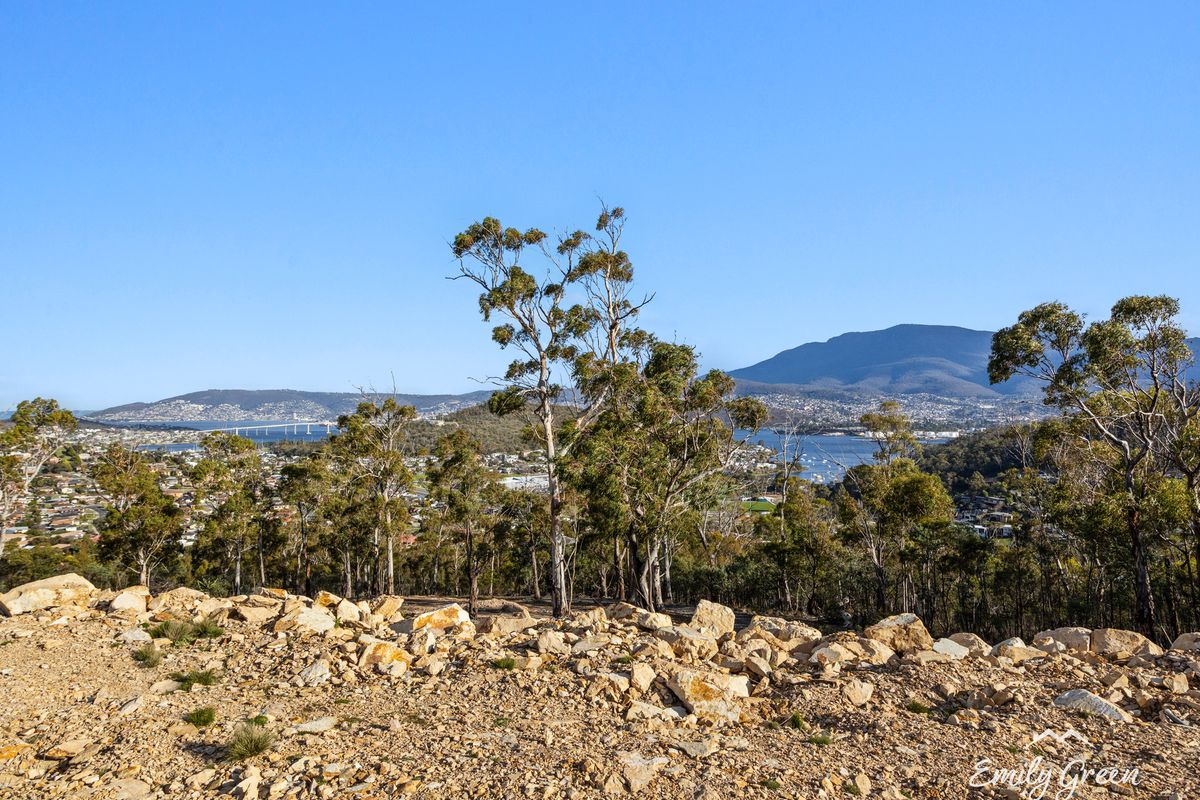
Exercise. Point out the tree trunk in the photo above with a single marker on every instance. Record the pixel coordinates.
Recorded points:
(472, 573)
(237, 568)
(144, 572)
(262, 557)
(391, 546)
(643, 595)
(535, 579)
(560, 601)
(880, 586)
(1144, 592)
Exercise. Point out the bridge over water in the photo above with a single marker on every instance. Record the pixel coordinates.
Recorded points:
(262, 430)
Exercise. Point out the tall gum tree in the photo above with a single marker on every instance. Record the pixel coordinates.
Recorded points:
(658, 450)
(37, 430)
(370, 447)
(1124, 380)
(573, 319)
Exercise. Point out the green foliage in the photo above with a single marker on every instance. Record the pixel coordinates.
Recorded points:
(917, 707)
(248, 740)
(820, 739)
(202, 677)
(207, 628)
(148, 656)
(201, 717)
(796, 722)
(179, 632)
(507, 662)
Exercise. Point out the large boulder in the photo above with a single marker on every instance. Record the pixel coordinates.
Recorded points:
(501, 624)
(976, 646)
(710, 696)
(305, 620)
(1114, 641)
(376, 651)
(452, 617)
(1088, 703)
(388, 607)
(131, 598)
(713, 617)
(61, 590)
(652, 620)
(904, 633)
(785, 630)
(181, 601)
(688, 643)
(1187, 642)
(1078, 640)
(949, 647)
(1016, 650)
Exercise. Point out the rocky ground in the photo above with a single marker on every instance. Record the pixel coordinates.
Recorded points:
(389, 698)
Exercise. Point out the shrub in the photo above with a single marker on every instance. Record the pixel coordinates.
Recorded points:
(208, 629)
(796, 722)
(180, 633)
(916, 707)
(202, 677)
(248, 740)
(148, 656)
(201, 717)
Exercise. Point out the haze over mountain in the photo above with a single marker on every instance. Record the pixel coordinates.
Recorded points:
(905, 359)
(237, 405)
(941, 360)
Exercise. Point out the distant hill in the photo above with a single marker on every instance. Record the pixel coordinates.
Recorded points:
(906, 359)
(243, 405)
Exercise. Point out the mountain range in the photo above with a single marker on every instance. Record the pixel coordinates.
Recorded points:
(260, 405)
(941, 360)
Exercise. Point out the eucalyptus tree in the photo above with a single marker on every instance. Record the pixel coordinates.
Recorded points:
(880, 505)
(228, 478)
(37, 430)
(142, 527)
(1124, 380)
(469, 494)
(370, 448)
(574, 318)
(659, 448)
(306, 485)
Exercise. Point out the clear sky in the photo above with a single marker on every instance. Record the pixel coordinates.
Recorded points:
(260, 195)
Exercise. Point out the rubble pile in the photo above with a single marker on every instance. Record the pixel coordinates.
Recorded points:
(132, 695)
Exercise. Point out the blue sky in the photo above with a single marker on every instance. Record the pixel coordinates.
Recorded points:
(260, 195)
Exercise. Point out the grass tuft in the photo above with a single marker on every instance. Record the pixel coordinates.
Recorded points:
(248, 740)
(820, 739)
(796, 722)
(179, 632)
(508, 662)
(200, 677)
(917, 707)
(208, 629)
(201, 717)
(148, 656)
